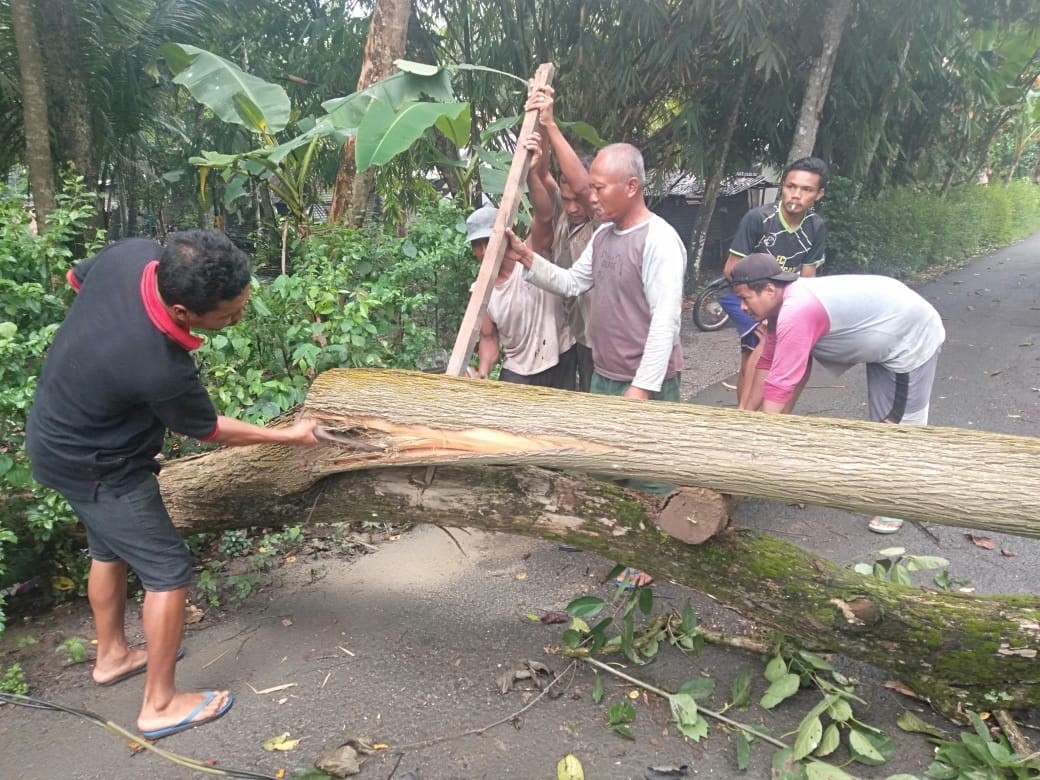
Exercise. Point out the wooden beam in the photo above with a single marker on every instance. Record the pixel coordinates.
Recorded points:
(469, 331)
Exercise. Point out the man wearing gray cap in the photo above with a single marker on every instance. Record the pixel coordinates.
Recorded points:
(524, 325)
(841, 321)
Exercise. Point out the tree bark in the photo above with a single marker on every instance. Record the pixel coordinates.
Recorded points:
(34, 110)
(718, 173)
(886, 108)
(387, 35)
(831, 29)
(961, 651)
(69, 93)
(395, 418)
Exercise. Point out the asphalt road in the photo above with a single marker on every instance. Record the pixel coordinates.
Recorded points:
(988, 379)
(405, 645)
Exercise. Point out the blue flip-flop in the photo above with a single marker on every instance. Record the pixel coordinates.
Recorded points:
(626, 577)
(189, 721)
(135, 671)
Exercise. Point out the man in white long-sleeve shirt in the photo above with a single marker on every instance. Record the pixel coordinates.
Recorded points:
(636, 262)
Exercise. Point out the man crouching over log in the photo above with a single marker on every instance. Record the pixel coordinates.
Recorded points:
(842, 321)
(118, 375)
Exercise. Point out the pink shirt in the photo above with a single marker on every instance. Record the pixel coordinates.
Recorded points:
(802, 321)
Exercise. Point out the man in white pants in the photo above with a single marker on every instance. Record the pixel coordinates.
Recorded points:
(841, 321)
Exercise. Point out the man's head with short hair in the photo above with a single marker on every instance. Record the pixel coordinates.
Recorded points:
(801, 188)
(810, 165)
(199, 269)
(203, 279)
(616, 181)
(573, 206)
(625, 160)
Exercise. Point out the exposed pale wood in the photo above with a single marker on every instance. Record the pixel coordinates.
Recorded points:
(694, 515)
(469, 331)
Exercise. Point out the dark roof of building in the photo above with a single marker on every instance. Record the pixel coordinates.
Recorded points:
(682, 185)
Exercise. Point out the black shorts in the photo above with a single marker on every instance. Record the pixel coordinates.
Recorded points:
(562, 376)
(136, 528)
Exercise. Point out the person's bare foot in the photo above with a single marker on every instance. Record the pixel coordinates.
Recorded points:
(110, 670)
(185, 710)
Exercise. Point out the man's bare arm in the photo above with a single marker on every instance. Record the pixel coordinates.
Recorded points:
(571, 167)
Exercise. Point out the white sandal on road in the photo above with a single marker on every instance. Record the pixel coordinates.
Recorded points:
(884, 525)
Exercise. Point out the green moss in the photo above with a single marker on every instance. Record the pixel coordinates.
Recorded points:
(611, 501)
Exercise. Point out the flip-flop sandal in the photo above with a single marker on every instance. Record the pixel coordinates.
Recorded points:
(885, 525)
(628, 576)
(135, 671)
(189, 721)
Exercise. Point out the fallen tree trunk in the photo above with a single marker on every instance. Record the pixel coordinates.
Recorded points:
(961, 651)
(387, 418)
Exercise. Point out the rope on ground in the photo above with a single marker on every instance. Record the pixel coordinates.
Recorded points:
(114, 728)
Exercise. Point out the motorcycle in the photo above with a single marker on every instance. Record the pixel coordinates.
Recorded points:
(708, 314)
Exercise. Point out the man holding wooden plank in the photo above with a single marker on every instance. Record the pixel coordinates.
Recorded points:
(525, 323)
(572, 219)
(636, 263)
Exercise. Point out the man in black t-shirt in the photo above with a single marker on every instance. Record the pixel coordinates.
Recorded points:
(117, 377)
(788, 230)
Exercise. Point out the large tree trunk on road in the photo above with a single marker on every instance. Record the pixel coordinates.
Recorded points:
(959, 650)
(962, 651)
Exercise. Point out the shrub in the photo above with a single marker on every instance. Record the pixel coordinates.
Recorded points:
(354, 298)
(33, 298)
(907, 231)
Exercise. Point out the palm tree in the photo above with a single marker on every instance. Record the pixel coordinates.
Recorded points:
(34, 118)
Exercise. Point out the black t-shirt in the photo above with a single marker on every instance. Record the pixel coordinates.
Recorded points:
(763, 229)
(118, 374)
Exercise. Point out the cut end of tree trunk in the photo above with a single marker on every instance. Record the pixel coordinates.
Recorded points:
(694, 515)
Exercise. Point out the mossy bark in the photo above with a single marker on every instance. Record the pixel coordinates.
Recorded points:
(962, 651)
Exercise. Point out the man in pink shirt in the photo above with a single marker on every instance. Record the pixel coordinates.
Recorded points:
(841, 321)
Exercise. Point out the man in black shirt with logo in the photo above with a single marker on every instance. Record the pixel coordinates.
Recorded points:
(117, 377)
(788, 230)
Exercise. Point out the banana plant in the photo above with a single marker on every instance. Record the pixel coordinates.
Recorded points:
(387, 119)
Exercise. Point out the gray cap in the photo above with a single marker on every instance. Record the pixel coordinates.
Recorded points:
(760, 267)
(481, 223)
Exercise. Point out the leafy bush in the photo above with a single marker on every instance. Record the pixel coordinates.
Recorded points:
(353, 298)
(33, 298)
(906, 231)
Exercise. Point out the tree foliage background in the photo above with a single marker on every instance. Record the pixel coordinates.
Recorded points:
(922, 93)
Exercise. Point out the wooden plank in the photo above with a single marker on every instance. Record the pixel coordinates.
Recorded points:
(469, 331)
